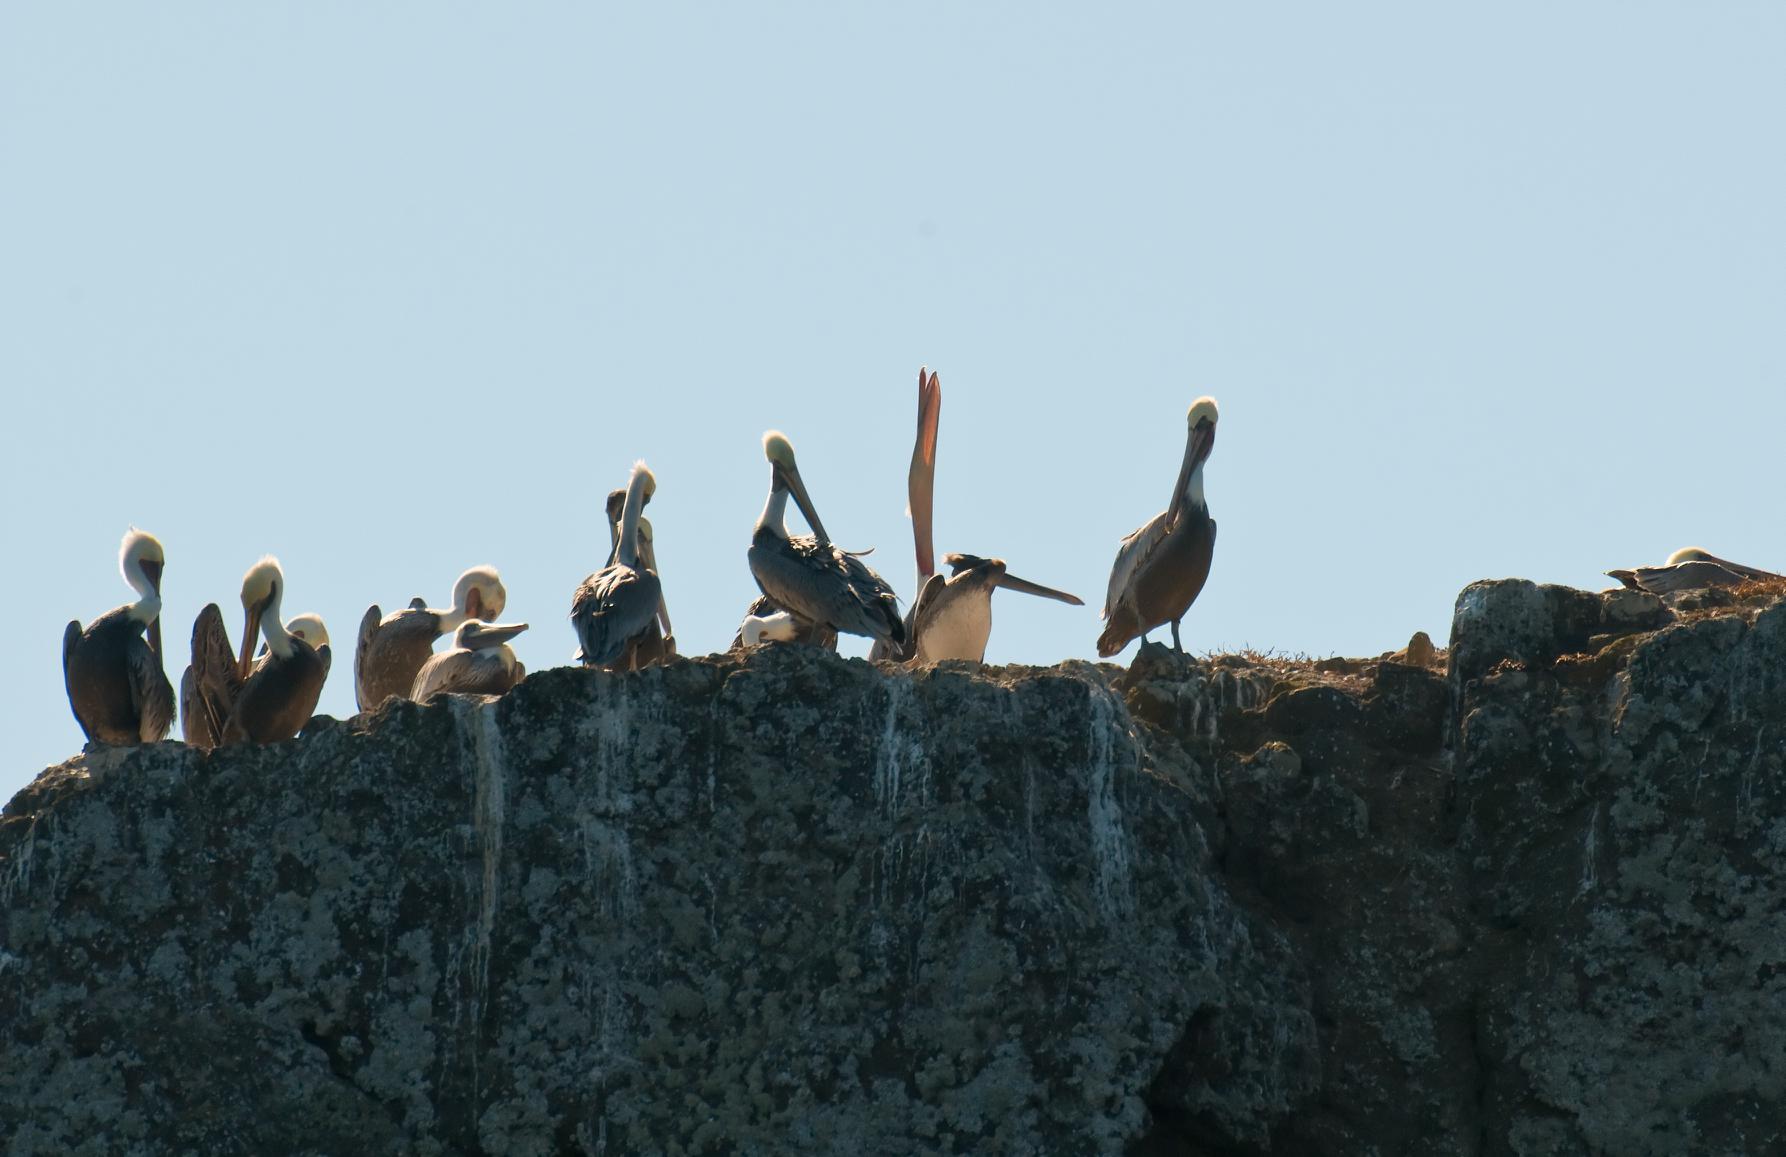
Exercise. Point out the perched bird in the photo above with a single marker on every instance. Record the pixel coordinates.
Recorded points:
(248, 700)
(951, 618)
(213, 681)
(392, 648)
(764, 622)
(809, 576)
(1160, 568)
(116, 684)
(615, 609)
(1690, 568)
(659, 643)
(481, 662)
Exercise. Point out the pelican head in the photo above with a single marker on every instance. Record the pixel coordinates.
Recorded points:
(308, 627)
(779, 627)
(479, 594)
(1690, 554)
(1200, 420)
(640, 486)
(141, 559)
(261, 588)
(784, 475)
(473, 635)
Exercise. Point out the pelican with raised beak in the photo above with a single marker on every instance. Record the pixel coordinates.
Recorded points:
(810, 576)
(659, 643)
(481, 662)
(615, 609)
(392, 648)
(241, 699)
(116, 684)
(951, 617)
(1160, 569)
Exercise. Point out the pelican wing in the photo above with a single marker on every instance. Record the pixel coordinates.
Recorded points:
(463, 672)
(71, 638)
(821, 583)
(391, 651)
(362, 647)
(212, 684)
(613, 607)
(150, 693)
(1131, 558)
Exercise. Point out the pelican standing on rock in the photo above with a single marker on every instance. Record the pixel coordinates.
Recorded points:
(1160, 569)
(616, 607)
(230, 698)
(659, 643)
(480, 663)
(116, 684)
(951, 617)
(392, 648)
(810, 576)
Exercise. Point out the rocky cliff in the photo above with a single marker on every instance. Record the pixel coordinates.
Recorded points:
(796, 904)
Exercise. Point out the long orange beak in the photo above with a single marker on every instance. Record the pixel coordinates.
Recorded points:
(790, 477)
(920, 480)
(1197, 448)
(250, 629)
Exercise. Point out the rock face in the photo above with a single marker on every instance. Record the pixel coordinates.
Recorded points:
(797, 904)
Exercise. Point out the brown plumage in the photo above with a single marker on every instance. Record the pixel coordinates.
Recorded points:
(117, 687)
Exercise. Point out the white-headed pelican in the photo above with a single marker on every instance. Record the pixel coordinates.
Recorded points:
(392, 648)
(1689, 568)
(810, 576)
(615, 609)
(116, 684)
(481, 662)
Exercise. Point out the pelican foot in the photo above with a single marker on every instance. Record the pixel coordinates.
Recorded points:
(1176, 645)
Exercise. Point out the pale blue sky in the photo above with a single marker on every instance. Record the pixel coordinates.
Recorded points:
(391, 290)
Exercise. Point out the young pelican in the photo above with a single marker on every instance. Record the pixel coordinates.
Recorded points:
(810, 576)
(764, 622)
(952, 617)
(116, 685)
(392, 648)
(616, 607)
(659, 643)
(480, 663)
(1160, 569)
(279, 693)
(1689, 568)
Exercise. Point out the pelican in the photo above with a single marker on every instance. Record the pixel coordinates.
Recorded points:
(116, 685)
(480, 663)
(659, 643)
(392, 648)
(229, 698)
(811, 577)
(1160, 568)
(615, 609)
(1690, 568)
(951, 618)
(764, 622)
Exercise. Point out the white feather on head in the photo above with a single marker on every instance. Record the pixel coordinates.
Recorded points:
(777, 448)
(492, 595)
(1203, 408)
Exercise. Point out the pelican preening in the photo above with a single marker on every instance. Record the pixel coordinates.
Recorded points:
(1160, 568)
(234, 699)
(480, 663)
(951, 617)
(615, 609)
(116, 684)
(809, 576)
(392, 648)
(1690, 568)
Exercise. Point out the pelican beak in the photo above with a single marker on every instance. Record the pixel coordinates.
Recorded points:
(474, 604)
(155, 637)
(250, 629)
(1023, 586)
(1197, 448)
(790, 477)
(920, 480)
(496, 634)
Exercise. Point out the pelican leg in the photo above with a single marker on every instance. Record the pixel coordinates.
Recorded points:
(1176, 645)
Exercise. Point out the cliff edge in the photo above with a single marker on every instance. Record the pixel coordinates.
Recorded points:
(791, 903)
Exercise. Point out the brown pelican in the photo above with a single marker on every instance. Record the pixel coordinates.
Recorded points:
(231, 698)
(1690, 568)
(1160, 569)
(765, 622)
(392, 648)
(116, 685)
(951, 618)
(659, 643)
(811, 577)
(279, 694)
(480, 663)
(615, 609)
